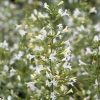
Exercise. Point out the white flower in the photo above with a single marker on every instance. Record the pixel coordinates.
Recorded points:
(48, 75)
(48, 83)
(70, 91)
(38, 69)
(43, 58)
(9, 97)
(18, 26)
(5, 44)
(46, 6)
(81, 63)
(19, 55)
(29, 56)
(88, 51)
(31, 67)
(31, 85)
(42, 34)
(93, 10)
(63, 13)
(81, 28)
(60, 3)
(66, 51)
(40, 15)
(54, 82)
(52, 56)
(67, 42)
(6, 68)
(22, 32)
(97, 27)
(63, 88)
(71, 98)
(35, 11)
(33, 17)
(12, 72)
(96, 82)
(18, 77)
(65, 30)
(73, 79)
(60, 26)
(52, 96)
(67, 66)
(96, 39)
(71, 83)
(76, 12)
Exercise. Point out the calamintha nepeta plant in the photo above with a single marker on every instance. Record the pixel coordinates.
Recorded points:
(48, 56)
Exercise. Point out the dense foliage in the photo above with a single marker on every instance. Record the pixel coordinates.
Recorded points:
(49, 50)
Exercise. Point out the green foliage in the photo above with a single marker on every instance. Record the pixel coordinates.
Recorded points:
(45, 55)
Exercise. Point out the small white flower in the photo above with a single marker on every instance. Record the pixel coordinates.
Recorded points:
(42, 34)
(19, 55)
(9, 97)
(88, 51)
(76, 13)
(6, 68)
(71, 98)
(40, 15)
(29, 56)
(52, 96)
(32, 17)
(18, 77)
(35, 11)
(22, 32)
(81, 63)
(48, 75)
(12, 72)
(54, 82)
(31, 67)
(5, 44)
(67, 66)
(46, 6)
(60, 3)
(96, 39)
(70, 91)
(43, 58)
(96, 82)
(93, 10)
(65, 30)
(71, 83)
(60, 26)
(48, 83)
(31, 85)
(73, 79)
(81, 28)
(63, 13)
(18, 26)
(37, 70)
(97, 27)
(52, 56)
(63, 88)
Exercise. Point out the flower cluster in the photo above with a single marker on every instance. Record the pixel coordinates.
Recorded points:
(47, 56)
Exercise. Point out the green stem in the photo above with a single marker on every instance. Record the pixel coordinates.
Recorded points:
(50, 60)
(98, 91)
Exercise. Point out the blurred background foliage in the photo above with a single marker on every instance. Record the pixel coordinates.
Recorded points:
(82, 29)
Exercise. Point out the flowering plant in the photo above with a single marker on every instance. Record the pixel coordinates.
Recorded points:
(47, 56)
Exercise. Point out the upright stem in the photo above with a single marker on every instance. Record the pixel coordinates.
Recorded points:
(50, 59)
(98, 91)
